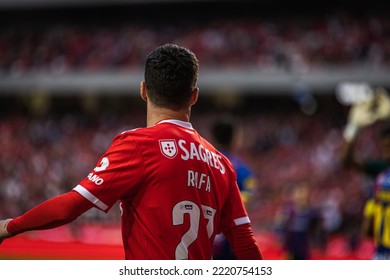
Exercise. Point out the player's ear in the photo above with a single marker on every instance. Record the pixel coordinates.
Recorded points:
(194, 95)
(142, 90)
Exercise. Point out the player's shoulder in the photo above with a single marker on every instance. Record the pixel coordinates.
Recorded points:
(135, 136)
(129, 133)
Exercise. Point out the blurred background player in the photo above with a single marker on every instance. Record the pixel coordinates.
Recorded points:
(174, 199)
(361, 115)
(224, 134)
(297, 222)
(376, 220)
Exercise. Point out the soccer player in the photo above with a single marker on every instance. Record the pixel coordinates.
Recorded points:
(223, 132)
(296, 223)
(376, 222)
(376, 218)
(175, 189)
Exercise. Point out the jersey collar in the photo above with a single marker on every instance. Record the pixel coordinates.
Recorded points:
(177, 122)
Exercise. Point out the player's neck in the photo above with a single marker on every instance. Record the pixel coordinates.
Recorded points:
(155, 115)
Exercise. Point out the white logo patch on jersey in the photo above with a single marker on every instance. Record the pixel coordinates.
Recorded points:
(104, 163)
(168, 148)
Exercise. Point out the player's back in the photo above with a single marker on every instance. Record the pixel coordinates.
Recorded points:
(175, 210)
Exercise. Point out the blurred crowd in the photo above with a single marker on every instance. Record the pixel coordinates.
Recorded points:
(293, 43)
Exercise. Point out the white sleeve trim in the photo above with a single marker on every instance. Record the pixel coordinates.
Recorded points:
(89, 196)
(241, 221)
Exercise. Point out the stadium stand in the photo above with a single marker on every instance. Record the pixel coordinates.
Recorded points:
(248, 39)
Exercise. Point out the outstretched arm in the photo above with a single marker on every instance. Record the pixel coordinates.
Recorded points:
(52, 213)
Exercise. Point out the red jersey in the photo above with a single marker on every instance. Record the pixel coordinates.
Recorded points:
(176, 191)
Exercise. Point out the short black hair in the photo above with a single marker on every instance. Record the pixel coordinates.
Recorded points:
(223, 132)
(171, 74)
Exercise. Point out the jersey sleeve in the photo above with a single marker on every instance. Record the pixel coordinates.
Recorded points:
(233, 212)
(116, 176)
(48, 215)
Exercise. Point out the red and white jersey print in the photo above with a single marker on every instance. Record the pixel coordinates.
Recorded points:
(176, 191)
